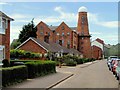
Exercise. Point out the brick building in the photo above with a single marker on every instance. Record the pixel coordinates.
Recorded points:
(97, 49)
(4, 36)
(73, 39)
(69, 37)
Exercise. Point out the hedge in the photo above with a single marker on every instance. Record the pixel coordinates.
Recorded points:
(13, 75)
(40, 68)
(16, 53)
(31, 69)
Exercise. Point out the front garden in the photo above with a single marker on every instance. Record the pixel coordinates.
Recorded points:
(12, 74)
(18, 70)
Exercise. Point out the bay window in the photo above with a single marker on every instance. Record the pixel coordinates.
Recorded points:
(3, 25)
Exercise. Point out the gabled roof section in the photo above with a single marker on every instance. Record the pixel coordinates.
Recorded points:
(63, 23)
(53, 47)
(38, 42)
(4, 15)
(42, 22)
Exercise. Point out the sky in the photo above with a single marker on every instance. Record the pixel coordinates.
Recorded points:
(102, 16)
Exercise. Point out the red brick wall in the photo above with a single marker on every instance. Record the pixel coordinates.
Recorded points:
(84, 44)
(79, 26)
(45, 31)
(32, 47)
(96, 52)
(75, 40)
(66, 37)
(5, 40)
(85, 47)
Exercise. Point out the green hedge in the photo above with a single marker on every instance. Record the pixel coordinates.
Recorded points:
(13, 75)
(40, 68)
(16, 53)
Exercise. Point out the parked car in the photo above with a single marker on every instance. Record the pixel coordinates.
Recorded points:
(109, 61)
(117, 74)
(114, 65)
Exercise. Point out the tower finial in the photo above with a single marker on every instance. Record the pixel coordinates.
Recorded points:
(82, 9)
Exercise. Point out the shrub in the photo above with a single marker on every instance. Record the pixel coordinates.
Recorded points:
(79, 60)
(5, 63)
(40, 68)
(13, 75)
(69, 60)
(23, 54)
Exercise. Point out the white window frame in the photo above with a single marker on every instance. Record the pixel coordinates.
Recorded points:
(2, 30)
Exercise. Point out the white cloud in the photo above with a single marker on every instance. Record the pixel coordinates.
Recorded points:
(94, 18)
(95, 33)
(3, 3)
(20, 16)
(110, 24)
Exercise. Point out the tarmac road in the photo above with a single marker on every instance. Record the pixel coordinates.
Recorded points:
(95, 75)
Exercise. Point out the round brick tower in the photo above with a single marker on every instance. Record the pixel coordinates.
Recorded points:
(84, 44)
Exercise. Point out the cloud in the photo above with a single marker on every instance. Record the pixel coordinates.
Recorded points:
(94, 18)
(63, 16)
(3, 3)
(20, 16)
(110, 24)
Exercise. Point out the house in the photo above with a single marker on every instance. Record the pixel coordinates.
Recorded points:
(97, 49)
(4, 36)
(38, 46)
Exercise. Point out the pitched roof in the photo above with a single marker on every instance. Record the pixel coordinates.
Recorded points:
(4, 15)
(53, 47)
(52, 27)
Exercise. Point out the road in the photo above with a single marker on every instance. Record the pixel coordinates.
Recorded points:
(95, 75)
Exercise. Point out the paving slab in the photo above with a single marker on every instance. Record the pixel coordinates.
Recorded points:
(43, 82)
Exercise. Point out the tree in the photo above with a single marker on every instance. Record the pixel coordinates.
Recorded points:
(28, 30)
(15, 44)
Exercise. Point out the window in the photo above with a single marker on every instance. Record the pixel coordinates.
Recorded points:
(68, 34)
(74, 47)
(62, 34)
(82, 38)
(46, 39)
(41, 27)
(83, 18)
(63, 27)
(3, 25)
(41, 33)
(82, 33)
(60, 42)
(58, 34)
(68, 46)
(68, 42)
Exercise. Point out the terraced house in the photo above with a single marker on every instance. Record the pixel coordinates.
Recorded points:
(4, 36)
(62, 36)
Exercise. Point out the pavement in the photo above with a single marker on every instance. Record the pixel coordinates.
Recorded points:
(52, 80)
